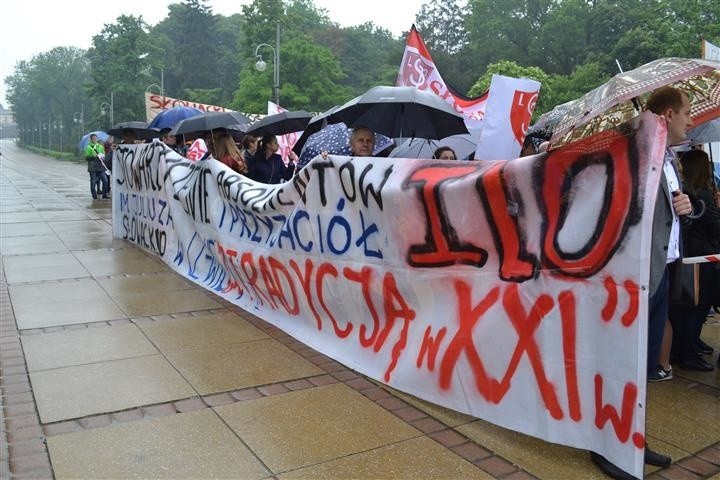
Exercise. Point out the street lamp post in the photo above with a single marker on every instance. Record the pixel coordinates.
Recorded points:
(260, 65)
(162, 78)
(46, 126)
(59, 126)
(104, 108)
(79, 118)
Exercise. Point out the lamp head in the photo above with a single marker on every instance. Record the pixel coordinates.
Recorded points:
(260, 65)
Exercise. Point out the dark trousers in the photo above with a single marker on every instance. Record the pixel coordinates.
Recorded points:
(687, 322)
(657, 315)
(96, 177)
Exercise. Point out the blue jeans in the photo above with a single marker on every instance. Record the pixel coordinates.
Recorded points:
(96, 177)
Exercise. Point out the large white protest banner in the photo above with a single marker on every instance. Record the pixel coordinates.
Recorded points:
(712, 52)
(514, 291)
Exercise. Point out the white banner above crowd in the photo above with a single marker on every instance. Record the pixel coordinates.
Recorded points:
(513, 291)
(155, 104)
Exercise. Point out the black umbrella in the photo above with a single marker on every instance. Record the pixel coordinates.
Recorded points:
(317, 123)
(463, 145)
(210, 121)
(280, 123)
(139, 129)
(401, 112)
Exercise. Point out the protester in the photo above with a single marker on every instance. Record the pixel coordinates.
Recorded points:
(169, 140)
(362, 142)
(109, 147)
(128, 137)
(673, 106)
(266, 166)
(445, 153)
(209, 138)
(533, 141)
(228, 153)
(701, 237)
(94, 153)
(249, 147)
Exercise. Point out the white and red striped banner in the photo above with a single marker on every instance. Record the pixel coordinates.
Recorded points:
(502, 113)
(702, 259)
(417, 69)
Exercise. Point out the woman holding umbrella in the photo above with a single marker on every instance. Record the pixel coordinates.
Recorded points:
(266, 166)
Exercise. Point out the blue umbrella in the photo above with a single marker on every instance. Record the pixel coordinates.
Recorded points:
(335, 139)
(102, 136)
(172, 116)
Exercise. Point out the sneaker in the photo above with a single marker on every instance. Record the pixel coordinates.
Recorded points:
(659, 374)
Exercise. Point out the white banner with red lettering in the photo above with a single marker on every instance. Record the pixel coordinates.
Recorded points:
(155, 104)
(514, 291)
(507, 117)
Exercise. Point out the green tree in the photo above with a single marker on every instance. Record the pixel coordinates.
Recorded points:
(569, 87)
(116, 66)
(368, 55)
(512, 69)
(443, 26)
(310, 78)
(45, 93)
(504, 30)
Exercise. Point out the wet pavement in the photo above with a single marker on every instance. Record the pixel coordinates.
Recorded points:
(114, 366)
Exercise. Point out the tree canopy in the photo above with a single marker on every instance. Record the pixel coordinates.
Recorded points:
(570, 46)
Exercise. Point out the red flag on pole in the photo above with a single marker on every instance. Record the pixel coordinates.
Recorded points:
(418, 70)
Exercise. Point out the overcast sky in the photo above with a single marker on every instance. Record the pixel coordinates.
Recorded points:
(29, 27)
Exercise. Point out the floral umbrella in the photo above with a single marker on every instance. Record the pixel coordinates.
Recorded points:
(620, 99)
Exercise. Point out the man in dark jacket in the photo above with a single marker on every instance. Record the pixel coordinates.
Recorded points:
(670, 204)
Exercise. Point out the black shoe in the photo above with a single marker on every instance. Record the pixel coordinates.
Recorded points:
(698, 363)
(657, 459)
(94, 197)
(610, 469)
(704, 347)
(105, 197)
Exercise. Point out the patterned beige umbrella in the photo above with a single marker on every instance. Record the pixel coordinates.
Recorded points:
(620, 99)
